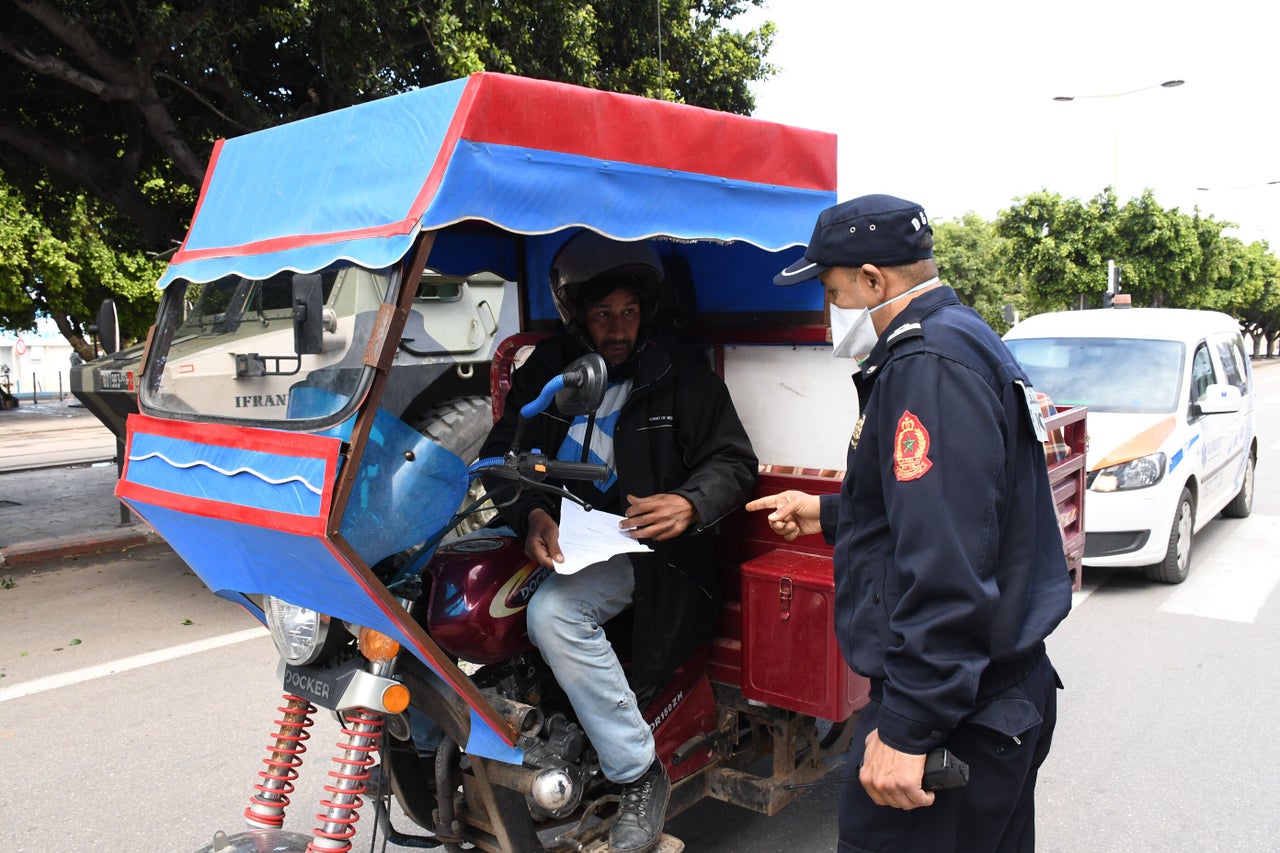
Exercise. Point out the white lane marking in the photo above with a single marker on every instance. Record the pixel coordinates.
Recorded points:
(1231, 581)
(89, 673)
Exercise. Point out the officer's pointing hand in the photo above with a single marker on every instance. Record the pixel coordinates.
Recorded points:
(794, 513)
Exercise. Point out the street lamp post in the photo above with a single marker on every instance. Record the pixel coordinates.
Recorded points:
(1112, 268)
(1115, 130)
(1241, 192)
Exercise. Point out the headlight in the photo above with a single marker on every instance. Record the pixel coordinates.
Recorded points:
(1134, 474)
(298, 633)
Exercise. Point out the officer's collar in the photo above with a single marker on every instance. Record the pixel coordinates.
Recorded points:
(913, 313)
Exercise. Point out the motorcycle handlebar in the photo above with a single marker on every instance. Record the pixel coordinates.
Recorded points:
(538, 467)
(576, 470)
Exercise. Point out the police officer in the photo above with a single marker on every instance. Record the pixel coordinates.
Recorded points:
(949, 566)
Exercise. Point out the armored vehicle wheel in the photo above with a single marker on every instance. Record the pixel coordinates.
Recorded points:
(460, 425)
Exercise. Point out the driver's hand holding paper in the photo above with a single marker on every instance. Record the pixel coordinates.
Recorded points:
(591, 537)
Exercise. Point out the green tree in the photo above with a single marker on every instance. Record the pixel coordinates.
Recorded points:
(63, 267)
(970, 254)
(1260, 316)
(1058, 248)
(1159, 253)
(121, 102)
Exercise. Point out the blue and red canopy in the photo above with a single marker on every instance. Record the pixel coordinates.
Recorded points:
(528, 156)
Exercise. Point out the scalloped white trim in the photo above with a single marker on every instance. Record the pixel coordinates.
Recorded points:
(227, 473)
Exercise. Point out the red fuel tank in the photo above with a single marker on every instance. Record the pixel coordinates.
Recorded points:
(480, 589)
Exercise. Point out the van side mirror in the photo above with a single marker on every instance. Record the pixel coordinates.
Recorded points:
(1220, 400)
(308, 314)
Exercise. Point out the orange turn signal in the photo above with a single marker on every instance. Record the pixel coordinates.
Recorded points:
(377, 646)
(395, 698)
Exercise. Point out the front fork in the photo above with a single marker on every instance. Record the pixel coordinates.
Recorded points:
(361, 735)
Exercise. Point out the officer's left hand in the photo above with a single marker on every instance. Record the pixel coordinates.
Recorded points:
(893, 778)
(658, 517)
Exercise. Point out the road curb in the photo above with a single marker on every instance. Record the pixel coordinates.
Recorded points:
(63, 547)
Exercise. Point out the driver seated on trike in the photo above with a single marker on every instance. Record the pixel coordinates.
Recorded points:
(679, 461)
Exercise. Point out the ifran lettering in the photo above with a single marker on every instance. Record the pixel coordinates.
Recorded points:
(258, 401)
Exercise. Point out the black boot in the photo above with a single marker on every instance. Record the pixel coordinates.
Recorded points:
(643, 811)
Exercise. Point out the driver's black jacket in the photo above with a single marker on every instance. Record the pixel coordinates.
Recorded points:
(678, 432)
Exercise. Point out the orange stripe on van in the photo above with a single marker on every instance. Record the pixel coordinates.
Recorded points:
(1143, 444)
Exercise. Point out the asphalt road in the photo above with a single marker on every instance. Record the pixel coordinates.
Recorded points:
(135, 707)
(54, 433)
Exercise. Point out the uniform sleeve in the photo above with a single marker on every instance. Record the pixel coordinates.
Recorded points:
(942, 460)
(723, 465)
(829, 516)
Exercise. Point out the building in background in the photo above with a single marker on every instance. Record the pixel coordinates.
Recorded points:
(36, 364)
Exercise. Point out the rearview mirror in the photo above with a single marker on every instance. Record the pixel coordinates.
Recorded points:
(308, 314)
(585, 380)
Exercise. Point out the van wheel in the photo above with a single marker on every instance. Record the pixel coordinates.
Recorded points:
(1177, 559)
(460, 426)
(1242, 504)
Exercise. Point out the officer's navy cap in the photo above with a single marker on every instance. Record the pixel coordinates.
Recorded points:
(871, 229)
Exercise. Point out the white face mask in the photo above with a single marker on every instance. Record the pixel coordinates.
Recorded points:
(852, 332)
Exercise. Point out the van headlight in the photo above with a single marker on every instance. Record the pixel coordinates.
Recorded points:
(299, 633)
(1134, 474)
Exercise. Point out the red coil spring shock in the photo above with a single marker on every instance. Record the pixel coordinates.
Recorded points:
(362, 732)
(266, 808)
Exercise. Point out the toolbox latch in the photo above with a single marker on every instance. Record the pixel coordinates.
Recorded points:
(785, 594)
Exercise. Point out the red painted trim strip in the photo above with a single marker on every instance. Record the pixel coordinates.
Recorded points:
(203, 508)
(275, 442)
(461, 113)
(282, 244)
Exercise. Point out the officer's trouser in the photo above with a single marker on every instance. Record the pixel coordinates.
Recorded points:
(1004, 743)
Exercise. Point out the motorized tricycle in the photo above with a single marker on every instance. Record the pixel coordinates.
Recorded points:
(325, 258)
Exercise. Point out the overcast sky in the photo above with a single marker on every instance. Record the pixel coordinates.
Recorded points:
(950, 104)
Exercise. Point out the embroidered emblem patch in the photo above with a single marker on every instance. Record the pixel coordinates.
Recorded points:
(910, 449)
(857, 432)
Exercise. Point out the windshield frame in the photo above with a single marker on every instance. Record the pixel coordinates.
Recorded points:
(173, 326)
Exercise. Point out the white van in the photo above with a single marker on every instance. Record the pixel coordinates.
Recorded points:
(1171, 424)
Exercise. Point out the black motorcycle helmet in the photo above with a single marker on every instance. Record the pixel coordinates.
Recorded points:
(590, 266)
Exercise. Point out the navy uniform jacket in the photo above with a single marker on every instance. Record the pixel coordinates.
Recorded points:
(949, 563)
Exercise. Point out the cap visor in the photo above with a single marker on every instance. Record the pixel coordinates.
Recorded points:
(802, 270)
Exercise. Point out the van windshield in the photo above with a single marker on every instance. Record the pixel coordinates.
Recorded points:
(1105, 374)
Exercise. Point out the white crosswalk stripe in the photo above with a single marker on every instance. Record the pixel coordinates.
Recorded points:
(1232, 580)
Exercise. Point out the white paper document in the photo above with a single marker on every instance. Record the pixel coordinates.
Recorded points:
(591, 537)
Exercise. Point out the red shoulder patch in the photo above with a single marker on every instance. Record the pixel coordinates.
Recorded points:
(910, 449)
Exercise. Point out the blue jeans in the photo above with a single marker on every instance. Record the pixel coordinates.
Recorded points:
(566, 616)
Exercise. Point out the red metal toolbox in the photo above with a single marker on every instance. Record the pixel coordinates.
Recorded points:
(789, 652)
